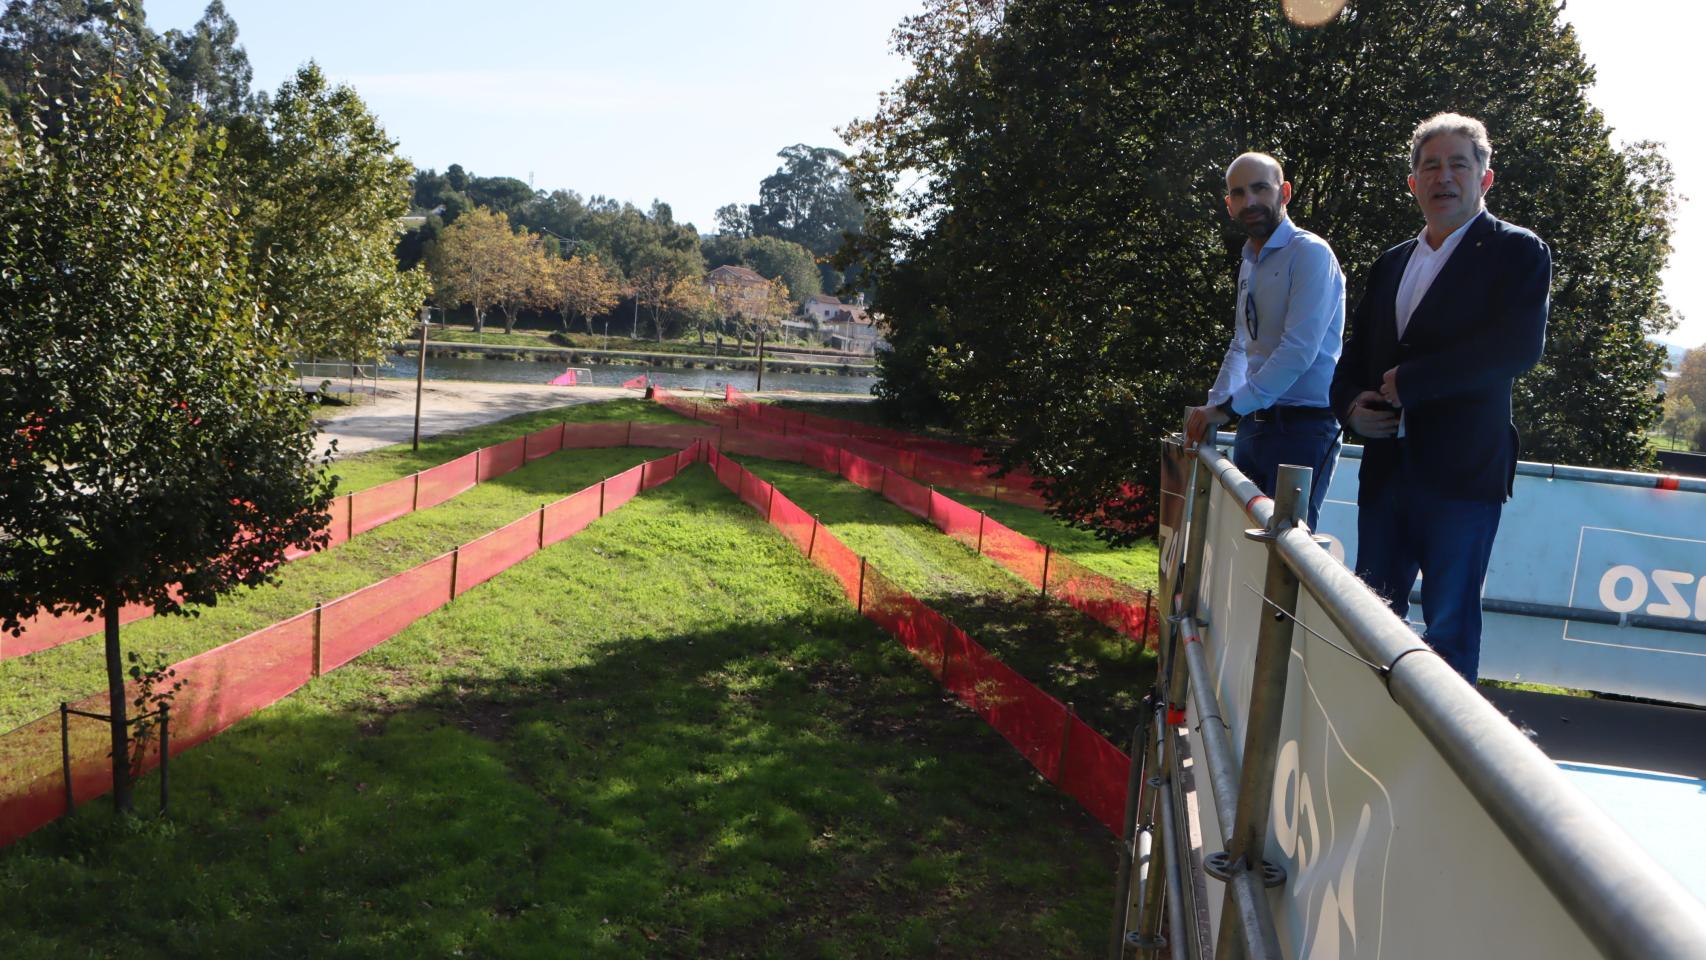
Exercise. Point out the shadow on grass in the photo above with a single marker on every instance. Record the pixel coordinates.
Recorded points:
(789, 788)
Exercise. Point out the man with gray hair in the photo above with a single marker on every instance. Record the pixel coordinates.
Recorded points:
(1286, 333)
(1449, 319)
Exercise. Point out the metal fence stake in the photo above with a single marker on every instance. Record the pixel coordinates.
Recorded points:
(981, 517)
(770, 503)
(349, 518)
(455, 561)
(416, 503)
(541, 526)
(1048, 554)
(812, 544)
(601, 498)
(1249, 834)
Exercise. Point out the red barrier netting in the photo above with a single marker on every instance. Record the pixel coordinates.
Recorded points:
(1031, 720)
(1095, 774)
(1102, 598)
(501, 458)
(447, 480)
(353, 624)
(376, 505)
(795, 523)
(570, 515)
(909, 496)
(670, 435)
(755, 492)
(919, 628)
(655, 472)
(338, 527)
(862, 472)
(956, 520)
(759, 445)
(492, 554)
(1018, 553)
(584, 436)
(542, 443)
(41, 632)
(621, 488)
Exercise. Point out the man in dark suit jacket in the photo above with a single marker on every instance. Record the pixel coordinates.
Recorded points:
(1447, 322)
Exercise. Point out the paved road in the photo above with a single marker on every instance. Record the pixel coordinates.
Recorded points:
(446, 406)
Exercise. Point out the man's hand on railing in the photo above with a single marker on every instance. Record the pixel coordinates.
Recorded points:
(1200, 420)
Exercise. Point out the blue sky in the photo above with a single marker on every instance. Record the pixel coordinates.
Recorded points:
(688, 102)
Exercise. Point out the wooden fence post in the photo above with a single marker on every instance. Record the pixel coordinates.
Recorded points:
(812, 544)
(601, 498)
(319, 655)
(861, 586)
(630, 440)
(1065, 742)
(416, 505)
(1048, 552)
(541, 526)
(455, 561)
(349, 518)
(981, 516)
(770, 503)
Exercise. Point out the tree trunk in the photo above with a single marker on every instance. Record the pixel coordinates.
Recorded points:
(509, 320)
(115, 692)
(635, 335)
(479, 320)
(657, 324)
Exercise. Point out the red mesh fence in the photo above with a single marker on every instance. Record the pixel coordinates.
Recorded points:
(492, 554)
(956, 520)
(570, 515)
(353, 624)
(909, 496)
(376, 505)
(587, 436)
(41, 632)
(862, 472)
(655, 472)
(795, 524)
(541, 443)
(339, 525)
(1102, 598)
(1095, 774)
(621, 488)
(1021, 555)
(669, 435)
(502, 458)
(447, 480)
(1090, 769)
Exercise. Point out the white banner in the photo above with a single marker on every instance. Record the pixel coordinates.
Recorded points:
(1387, 854)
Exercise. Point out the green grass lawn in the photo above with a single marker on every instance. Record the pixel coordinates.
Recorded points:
(668, 736)
(1067, 654)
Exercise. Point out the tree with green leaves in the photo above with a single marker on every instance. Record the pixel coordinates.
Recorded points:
(321, 188)
(770, 257)
(581, 286)
(206, 68)
(808, 200)
(467, 262)
(1049, 244)
(1690, 379)
(156, 448)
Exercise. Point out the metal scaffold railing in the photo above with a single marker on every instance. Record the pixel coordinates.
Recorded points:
(1317, 782)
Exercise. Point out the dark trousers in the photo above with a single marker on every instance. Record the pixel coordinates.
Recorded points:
(1300, 441)
(1405, 526)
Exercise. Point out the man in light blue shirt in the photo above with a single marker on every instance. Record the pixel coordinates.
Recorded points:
(1288, 328)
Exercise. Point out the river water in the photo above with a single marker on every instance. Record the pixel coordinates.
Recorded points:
(607, 375)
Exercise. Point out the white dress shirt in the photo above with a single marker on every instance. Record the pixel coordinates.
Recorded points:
(1419, 273)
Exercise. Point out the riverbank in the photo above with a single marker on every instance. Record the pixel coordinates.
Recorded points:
(571, 356)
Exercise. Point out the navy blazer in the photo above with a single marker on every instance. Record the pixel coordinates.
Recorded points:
(1481, 323)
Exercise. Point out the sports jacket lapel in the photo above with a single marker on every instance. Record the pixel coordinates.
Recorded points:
(1448, 277)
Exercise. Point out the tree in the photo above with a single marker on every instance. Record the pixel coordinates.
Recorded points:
(523, 277)
(1048, 244)
(43, 42)
(467, 262)
(1690, 380)
(167, 447)
(323, 189)
(206, 67)
(582, 286)
(1682, 417)
(656, 276)
(808, 200)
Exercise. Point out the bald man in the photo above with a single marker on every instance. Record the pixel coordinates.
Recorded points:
(1288, 327)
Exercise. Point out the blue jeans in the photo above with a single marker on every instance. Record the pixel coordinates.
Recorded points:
(1404, 527)
(1262, 448)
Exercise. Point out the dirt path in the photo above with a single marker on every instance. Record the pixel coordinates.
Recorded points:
(446, 405)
